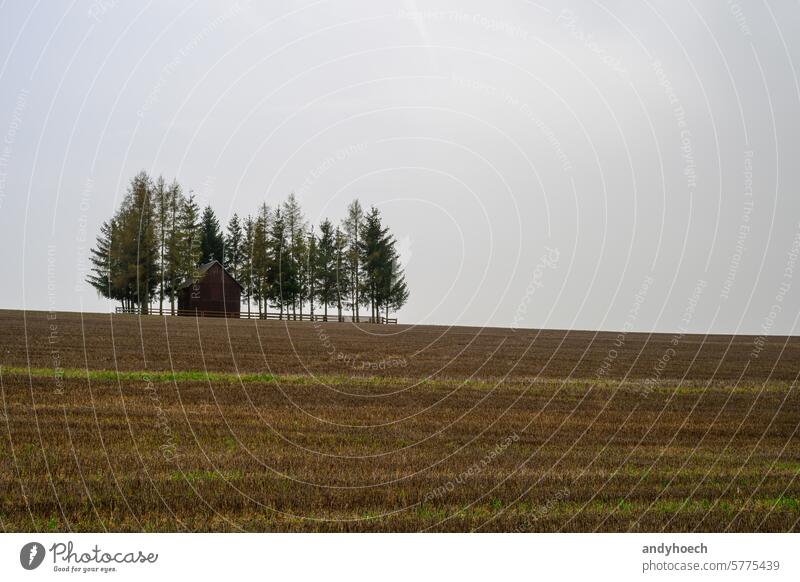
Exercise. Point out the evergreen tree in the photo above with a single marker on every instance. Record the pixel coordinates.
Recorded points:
(342, 271)
(392, 291)
(211, 241)
(280, 275)
(246, 264)
(189, 237)
(299, 259)
(373, 253)
(295, 233)
(352, 231)
(138, 246)
(326, 267)
(233, 247)
(162, 206)
(261, 260)
(105, 273)
(398, 292)
(310, 270)
(173, 239)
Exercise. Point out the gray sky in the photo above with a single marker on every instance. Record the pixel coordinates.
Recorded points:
(613, 165)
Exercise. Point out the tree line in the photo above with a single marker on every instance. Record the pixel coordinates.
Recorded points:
(159, 236)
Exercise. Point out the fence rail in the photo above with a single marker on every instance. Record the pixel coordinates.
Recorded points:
(254, 315)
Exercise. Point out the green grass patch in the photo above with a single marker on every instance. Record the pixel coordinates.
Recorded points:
(787, 503)
(533, 386)
(791, 466)
(140, 375)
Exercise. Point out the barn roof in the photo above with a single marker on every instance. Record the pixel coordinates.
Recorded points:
(201, 272)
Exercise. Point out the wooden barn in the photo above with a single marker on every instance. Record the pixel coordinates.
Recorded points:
(213, 292)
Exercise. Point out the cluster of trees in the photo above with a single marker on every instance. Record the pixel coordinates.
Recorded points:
(159, 237)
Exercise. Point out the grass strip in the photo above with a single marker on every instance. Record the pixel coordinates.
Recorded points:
(139, 375)
(539, 385)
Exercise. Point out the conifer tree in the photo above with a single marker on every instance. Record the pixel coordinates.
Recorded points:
(189, 240)
(310, 270)
(233, 247)
(295, 234)
(392, 291)
(398, 292)
(105, 273)
(135, 250)
(211, 241)
(161, 202)
(246, 266)
(352, 232)
(326, 268)
(372, 250)
(342, 271)
(299, 259)
(261, 259)
(173, 239)
(280, 274)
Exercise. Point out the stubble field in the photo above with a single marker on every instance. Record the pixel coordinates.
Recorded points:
(122, 423)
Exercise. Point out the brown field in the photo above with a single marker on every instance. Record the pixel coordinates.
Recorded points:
(175, 424)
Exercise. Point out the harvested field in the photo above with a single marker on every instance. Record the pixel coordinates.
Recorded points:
(123, 423)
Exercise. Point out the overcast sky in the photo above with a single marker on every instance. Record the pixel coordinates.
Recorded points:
(609, 165)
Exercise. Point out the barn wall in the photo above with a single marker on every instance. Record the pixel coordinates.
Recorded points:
(215, 293)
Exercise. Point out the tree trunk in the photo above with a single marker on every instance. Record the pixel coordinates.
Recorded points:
(355, 286)
(355, 270)
(353, 300)
(172, 295)
(163, 278)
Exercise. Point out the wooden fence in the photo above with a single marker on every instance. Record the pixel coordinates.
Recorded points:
(256, 315)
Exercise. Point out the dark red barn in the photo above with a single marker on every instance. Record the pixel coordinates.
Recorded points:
(212, 292)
